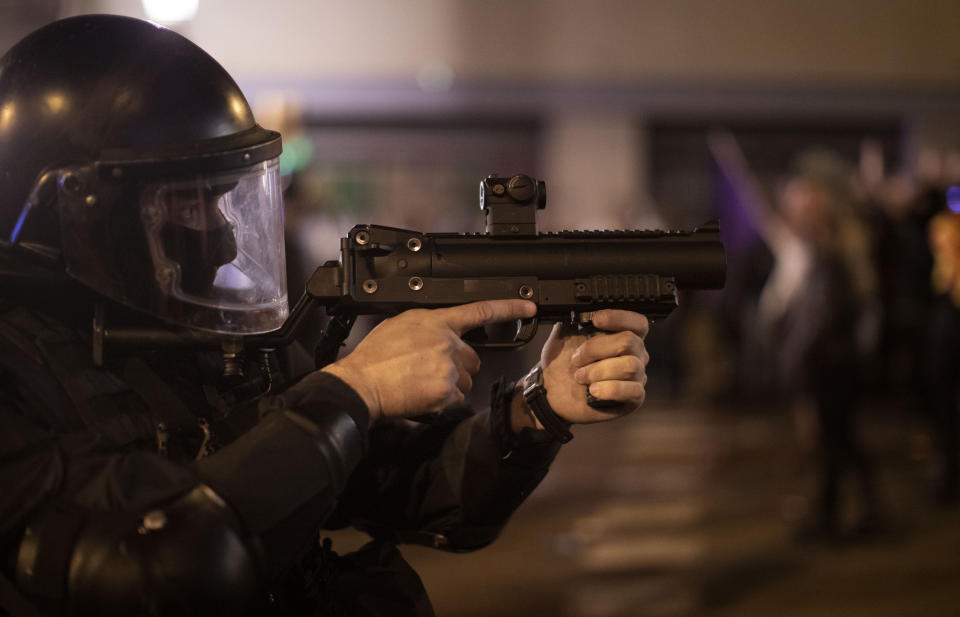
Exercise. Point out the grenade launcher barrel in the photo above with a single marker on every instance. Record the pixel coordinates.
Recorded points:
(385, 270)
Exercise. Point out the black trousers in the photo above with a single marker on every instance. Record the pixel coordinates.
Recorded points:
(840, 447)
(942, 364)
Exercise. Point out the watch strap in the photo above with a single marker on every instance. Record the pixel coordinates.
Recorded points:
(535, 395)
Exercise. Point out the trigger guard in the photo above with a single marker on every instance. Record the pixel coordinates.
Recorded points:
(526, 330)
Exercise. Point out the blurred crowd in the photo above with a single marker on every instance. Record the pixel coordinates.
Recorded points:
(855, 307)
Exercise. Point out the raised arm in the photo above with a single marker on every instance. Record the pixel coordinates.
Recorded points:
(736, 170)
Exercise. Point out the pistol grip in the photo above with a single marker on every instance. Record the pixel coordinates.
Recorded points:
(584, 321)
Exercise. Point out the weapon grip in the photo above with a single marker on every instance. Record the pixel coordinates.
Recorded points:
(584, 322)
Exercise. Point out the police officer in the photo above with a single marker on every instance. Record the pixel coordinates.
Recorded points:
(174, 475)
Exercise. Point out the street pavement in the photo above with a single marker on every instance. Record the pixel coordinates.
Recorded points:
(686, 510)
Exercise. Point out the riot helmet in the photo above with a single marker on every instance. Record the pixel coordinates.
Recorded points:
(131, 160)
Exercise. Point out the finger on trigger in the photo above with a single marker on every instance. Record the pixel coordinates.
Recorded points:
(469, 316)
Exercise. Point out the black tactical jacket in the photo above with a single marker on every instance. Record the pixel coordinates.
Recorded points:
(114, 456)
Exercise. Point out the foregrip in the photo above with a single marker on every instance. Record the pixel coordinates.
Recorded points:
(584, 324)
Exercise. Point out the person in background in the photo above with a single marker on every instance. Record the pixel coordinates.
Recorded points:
(943, 345)
(815, 312)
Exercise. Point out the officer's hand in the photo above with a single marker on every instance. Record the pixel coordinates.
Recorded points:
(416, 362)
(612, 364)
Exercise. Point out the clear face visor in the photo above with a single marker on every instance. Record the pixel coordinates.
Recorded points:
(216, 242)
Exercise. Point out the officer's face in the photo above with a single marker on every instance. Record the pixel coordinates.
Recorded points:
(194, 209)
(196, 235)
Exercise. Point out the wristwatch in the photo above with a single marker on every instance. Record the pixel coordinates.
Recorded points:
(536, 397)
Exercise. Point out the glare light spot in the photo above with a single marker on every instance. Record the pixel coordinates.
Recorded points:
(238, 106)
(297, 152)
(6, 116)
(232, 277)
(56, 102)
(170, 11)
(435, 77)
(953, 198)
(20, 221)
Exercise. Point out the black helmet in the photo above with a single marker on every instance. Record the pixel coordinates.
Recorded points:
(130, 159)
